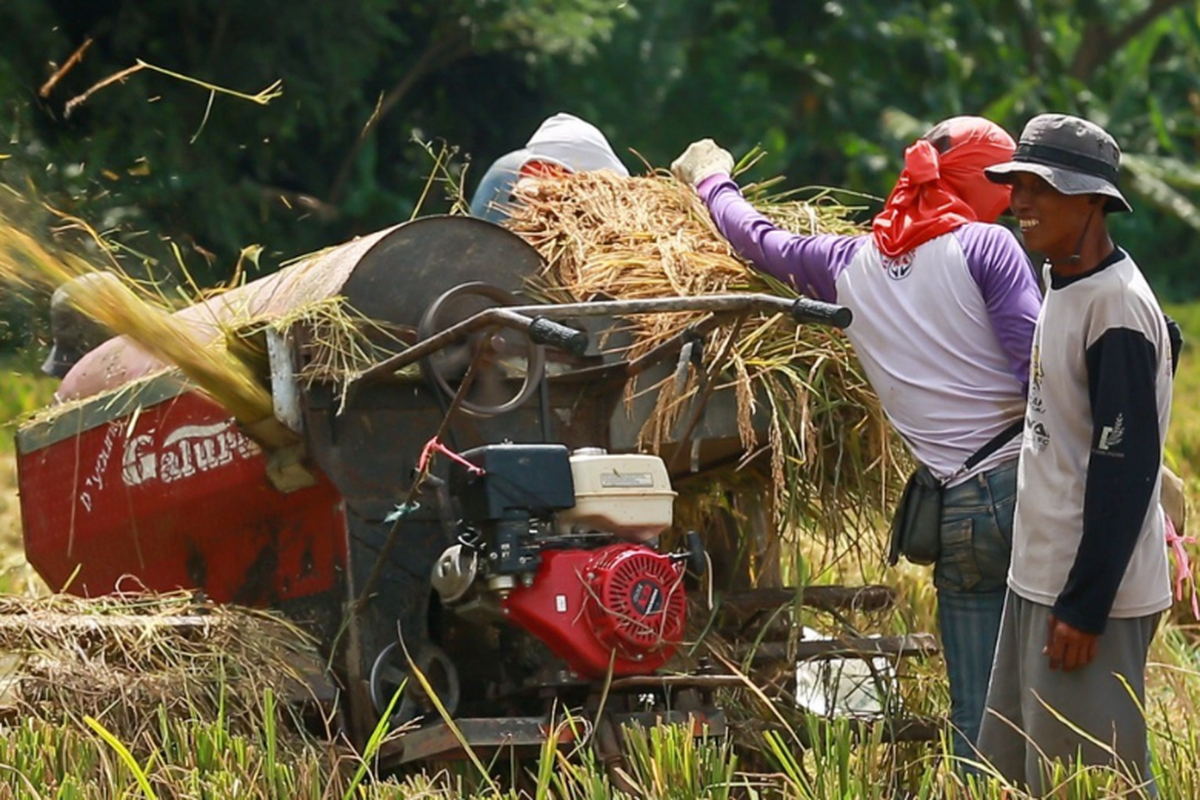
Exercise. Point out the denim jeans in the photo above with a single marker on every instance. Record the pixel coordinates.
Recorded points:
(970, 576)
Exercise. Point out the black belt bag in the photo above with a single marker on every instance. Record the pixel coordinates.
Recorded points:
(916, 531)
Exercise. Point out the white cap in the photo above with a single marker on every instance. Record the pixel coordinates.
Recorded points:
(574, 144)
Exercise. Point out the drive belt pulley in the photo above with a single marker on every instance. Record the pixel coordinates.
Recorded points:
(503, 357)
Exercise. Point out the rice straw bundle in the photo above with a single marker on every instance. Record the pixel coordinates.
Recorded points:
(120, 658)
(339, 343)
(115, 305)
(638, 237)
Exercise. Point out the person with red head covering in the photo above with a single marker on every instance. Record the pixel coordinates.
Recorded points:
(944, 304)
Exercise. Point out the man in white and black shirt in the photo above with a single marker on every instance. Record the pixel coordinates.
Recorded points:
(1089, 575)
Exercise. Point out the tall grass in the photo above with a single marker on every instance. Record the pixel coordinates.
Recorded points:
(191, 758)
(23, 389)
(1183, 440)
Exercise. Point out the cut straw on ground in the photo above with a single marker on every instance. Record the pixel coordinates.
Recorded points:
(121, 657)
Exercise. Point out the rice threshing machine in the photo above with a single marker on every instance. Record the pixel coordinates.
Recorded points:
(473, 504)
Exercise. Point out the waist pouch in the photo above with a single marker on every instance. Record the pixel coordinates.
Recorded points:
(916, 531)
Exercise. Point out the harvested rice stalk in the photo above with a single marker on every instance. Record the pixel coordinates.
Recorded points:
(121, 658)
(832, 453)
(339, 342)
(114, 304)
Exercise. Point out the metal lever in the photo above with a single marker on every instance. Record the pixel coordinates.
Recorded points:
(802, 310)
(694, 557)
(690, 355)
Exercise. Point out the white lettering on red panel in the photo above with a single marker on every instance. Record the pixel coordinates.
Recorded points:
(184, 452)
(95, 481)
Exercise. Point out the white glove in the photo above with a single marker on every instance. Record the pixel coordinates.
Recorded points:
(701, 160)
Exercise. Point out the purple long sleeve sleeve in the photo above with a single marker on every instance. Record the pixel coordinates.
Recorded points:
(1000, 267)
(809, 263)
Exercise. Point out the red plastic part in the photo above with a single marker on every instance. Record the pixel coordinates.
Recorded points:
(180, 499)
(636, 599)
(623, 604)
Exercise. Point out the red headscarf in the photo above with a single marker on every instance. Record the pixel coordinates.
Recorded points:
(938, 192)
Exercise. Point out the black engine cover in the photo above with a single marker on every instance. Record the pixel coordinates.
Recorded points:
(520, 481)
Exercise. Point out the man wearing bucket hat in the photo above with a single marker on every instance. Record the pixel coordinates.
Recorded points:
(562, 143)
(1089, 577)
(944, 304)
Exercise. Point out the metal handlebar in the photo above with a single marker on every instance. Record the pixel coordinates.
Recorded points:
(807, 311)
(533, 320)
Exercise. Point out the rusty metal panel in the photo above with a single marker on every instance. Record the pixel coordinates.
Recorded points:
(119, 361)
(391, 275)
(71, 423)
(487, 735)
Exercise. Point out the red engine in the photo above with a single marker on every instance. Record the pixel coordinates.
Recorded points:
(623, 605)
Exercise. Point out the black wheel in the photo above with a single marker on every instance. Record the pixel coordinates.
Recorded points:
(391, 671)
(502, 355)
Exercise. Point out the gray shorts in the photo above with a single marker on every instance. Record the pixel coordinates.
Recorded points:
(1034, 712)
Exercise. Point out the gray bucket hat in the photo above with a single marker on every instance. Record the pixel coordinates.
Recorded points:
(1071, 154)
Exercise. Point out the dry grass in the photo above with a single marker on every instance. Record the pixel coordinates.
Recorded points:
(217, 345)
(115, 304)
(120, 658)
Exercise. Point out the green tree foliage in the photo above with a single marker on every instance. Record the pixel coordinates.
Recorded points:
(833, 91)
(332, 157)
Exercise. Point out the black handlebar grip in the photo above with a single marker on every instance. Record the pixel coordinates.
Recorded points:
(815, 311)
(548, 332)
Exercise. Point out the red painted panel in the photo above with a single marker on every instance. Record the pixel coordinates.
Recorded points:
(176, 497)
(560, 608)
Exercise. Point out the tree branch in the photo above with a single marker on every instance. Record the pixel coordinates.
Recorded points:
(1100, 42)
(75, 58)
(1030, 37)
(439, 54)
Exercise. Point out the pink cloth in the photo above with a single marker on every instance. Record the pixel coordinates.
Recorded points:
(1183, 564)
